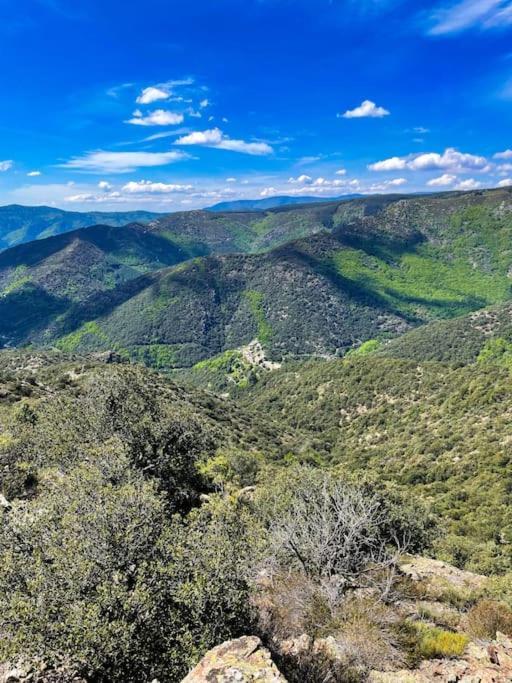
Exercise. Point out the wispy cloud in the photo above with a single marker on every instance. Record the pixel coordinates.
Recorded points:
(162, 91)
(444, 180)
(367, 109)
(152, 94)
(6, 165)
(146, 186)
(33, 174)
(468, 14)
(469, 184)
(159, 117)
(218, 140)
(122, 162)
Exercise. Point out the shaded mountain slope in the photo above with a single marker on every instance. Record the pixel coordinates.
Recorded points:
(43, 279)
(481, 336)
(368, 268)
(19, 224)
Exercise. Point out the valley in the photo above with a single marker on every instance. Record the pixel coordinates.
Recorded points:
(196, 404)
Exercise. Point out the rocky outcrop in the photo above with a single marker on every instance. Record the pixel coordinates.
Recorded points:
(237, 661)
(437, 573)
(481, 663)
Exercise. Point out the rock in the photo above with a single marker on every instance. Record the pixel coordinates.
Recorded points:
(108, 357)
(481, 663)
(440, 573)
(13, 675)
(237, 661)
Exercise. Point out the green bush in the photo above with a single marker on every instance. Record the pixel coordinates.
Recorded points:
(434, 642)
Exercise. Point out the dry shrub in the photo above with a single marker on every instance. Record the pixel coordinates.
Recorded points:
(291, 604)
(344, 641)
(368, 634)
(486, 618)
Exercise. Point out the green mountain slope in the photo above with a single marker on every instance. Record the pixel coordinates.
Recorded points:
(292, 299)
(440, 432)
(367, 268)
(41, 280)
(19, 224)
(482, 336)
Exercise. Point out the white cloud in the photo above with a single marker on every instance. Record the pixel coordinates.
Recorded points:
(460, 16)
(504, 169)
(231, 180)
(367, 109)
(122, 162)
(6, 165)
(34, 174)
(302, 180)
(469, 184)
(217, 139)
(159, 117)
(391, 164)
(443, 180)
(507, 154)
(204, 103)
(341, 171)
(103, 185)
(386, 185)
(450, 160)
(506, 182)
(145, 186)
(97, 198)
(152, 94)
(268, 192)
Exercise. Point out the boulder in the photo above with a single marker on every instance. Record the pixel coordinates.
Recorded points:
(237, 661)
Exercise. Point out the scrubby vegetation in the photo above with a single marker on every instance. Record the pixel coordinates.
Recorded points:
(439, 431)
(145, 520)
(122, 563)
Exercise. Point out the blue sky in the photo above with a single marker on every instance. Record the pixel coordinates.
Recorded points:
(169, 105)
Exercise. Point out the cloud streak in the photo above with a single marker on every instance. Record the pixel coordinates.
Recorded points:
(122, 162)
(159, 117)
(469, 14)
(216, 139)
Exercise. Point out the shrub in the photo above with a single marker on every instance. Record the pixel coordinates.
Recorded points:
(96, 574)
(323, 526)
(486, 618)
(435, 642)
(232, 467)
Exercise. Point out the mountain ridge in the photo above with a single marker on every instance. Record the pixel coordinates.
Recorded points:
(313, 280)
(20, 224)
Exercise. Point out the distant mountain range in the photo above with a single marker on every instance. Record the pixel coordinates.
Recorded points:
(309, 280)
(274, 202)
(20, 224)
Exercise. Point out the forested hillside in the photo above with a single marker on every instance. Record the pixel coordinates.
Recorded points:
(20, 224)
(377, 267)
